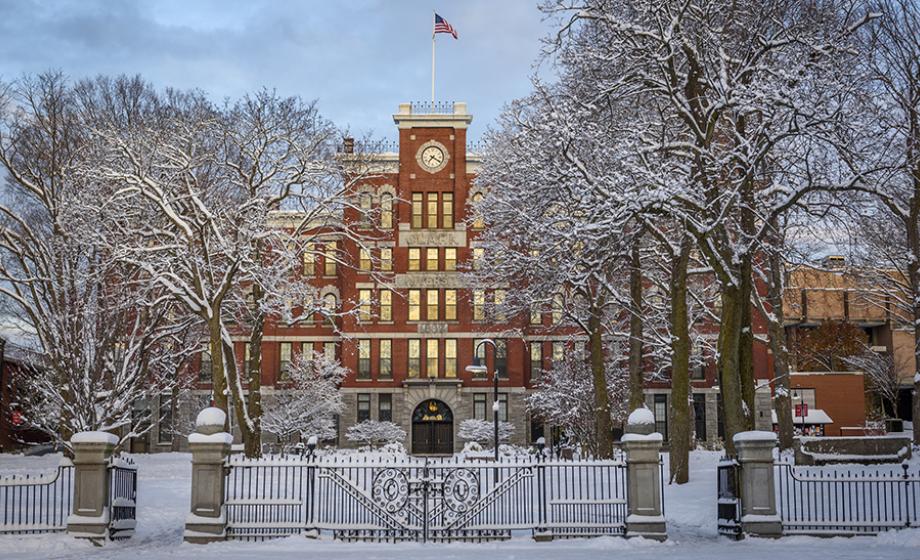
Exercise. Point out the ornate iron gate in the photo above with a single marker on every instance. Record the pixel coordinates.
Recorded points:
(410, 499)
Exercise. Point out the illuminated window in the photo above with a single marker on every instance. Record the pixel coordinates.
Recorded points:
(499, 299)
(386, 259)
(536, 360)
(557, 308)
(330, 303)
(450, 305)
(432, 210)
(431, 258)
(386, 211)
(364, 305)
(450, 358)
(431, 300)
(535, 317)
(478, 222)
(450, 259)
(284, 349)
(364, 359)
(309, 261)
(417, 202)
(329, 351)
(479, 305)
(205, 372)
(415, 305)
(558, 353)
(431, 357)
(447, 210)
(501, 358)
(386, 359)
(364, 259)
(365, 202)
(415, 357)
(478, 253)
(386, 305)
(329, 264)
(415, 258)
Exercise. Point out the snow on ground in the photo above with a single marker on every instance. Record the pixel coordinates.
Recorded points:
(163, 501)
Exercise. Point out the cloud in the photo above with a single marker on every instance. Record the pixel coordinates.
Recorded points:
(359, 58)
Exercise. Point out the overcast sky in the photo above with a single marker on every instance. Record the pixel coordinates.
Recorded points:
(359, 58)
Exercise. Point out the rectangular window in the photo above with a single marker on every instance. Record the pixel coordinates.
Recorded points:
(503, 407)
(501, 358)
(479, 305)
(415, 357)
(385, 366)
(431, 301)
(478, 253)
(431, 258)
(246, 357)
(499, 301)
(557, 308)
(447, 210)
(479, 406)
(558, 352)
(329, 258)
(536, 361)
(415, 305)
(309, 261)
(364, 407)
(415, 259)
(385, 407)
(416, 210)
(364, 359)
(661, 415)
(699, 416)
(206, 371)
(450, 259)
(364, 259)
(165, 423)
(536, 317)
(386, 305)
(479, 352)
(284, 350)
(432, 210)
(431, 357)
(450, 305)
(386, 211)
(698, 363)
(365, 309)
(329, 351)
(366, 204)
(450, 358)
(386, 259)
(806, 396)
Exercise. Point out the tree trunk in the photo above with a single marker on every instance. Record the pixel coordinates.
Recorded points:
(778, 346)
(603, 423)
(236, 391)
(636, 381)
(253, 445)
(218, 370)
(176, 439)
(746, 344)
(680, 432)
(729, 378)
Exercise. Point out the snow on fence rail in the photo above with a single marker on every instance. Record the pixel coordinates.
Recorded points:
(835, 500)
(37, 504)
(410, 499)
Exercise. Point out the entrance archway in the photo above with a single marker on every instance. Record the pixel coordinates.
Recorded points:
(432, 428)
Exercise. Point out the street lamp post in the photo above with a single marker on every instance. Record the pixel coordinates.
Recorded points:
(483, 369)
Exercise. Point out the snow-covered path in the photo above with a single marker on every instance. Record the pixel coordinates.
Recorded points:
(163, 498)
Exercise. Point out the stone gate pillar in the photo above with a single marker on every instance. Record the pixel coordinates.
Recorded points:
(759, 517)
(643, 478)
(210, 447)
(90, 516)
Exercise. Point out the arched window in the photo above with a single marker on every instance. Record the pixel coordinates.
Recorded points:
(478, 222)
(365, 202)
(330, 302)
(386, 211)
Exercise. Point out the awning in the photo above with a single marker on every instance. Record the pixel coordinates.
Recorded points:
(814, 416)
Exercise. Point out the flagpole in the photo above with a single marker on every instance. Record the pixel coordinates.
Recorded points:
(432, 58)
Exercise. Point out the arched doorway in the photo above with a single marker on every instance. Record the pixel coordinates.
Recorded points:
(432, 428)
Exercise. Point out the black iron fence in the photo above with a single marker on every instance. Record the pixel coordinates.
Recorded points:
(729, 498)
(832, 500)
(413, 499)
(122, 498)
(36, 503)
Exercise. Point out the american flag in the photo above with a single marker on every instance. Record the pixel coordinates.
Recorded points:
(441, 26)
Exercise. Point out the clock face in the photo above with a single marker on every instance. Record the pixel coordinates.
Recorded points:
(432, 157)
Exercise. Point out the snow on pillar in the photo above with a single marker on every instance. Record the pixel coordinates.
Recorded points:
(90, 516)
(643, 477)
(210, 447)
(758, 484)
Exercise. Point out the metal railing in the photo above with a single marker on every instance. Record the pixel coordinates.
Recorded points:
(36, 504)
(832, 500)
(729, 498)
(414, 499)
(122, 498)
(432, 107)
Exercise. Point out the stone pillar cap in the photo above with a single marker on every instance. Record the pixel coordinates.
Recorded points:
(210, 421)
(755, 436)
(94, 437)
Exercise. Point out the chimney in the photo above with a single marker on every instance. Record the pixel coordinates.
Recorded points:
(348, 145)
(835, 261)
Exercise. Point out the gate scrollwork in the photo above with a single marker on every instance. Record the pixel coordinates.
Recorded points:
(461, 490)
(391, 489)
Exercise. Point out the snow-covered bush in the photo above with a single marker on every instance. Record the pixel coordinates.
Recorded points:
(375, 433)
(483, 431)
(306, 405)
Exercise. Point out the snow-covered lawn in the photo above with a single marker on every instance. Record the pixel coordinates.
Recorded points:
(163, 500)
